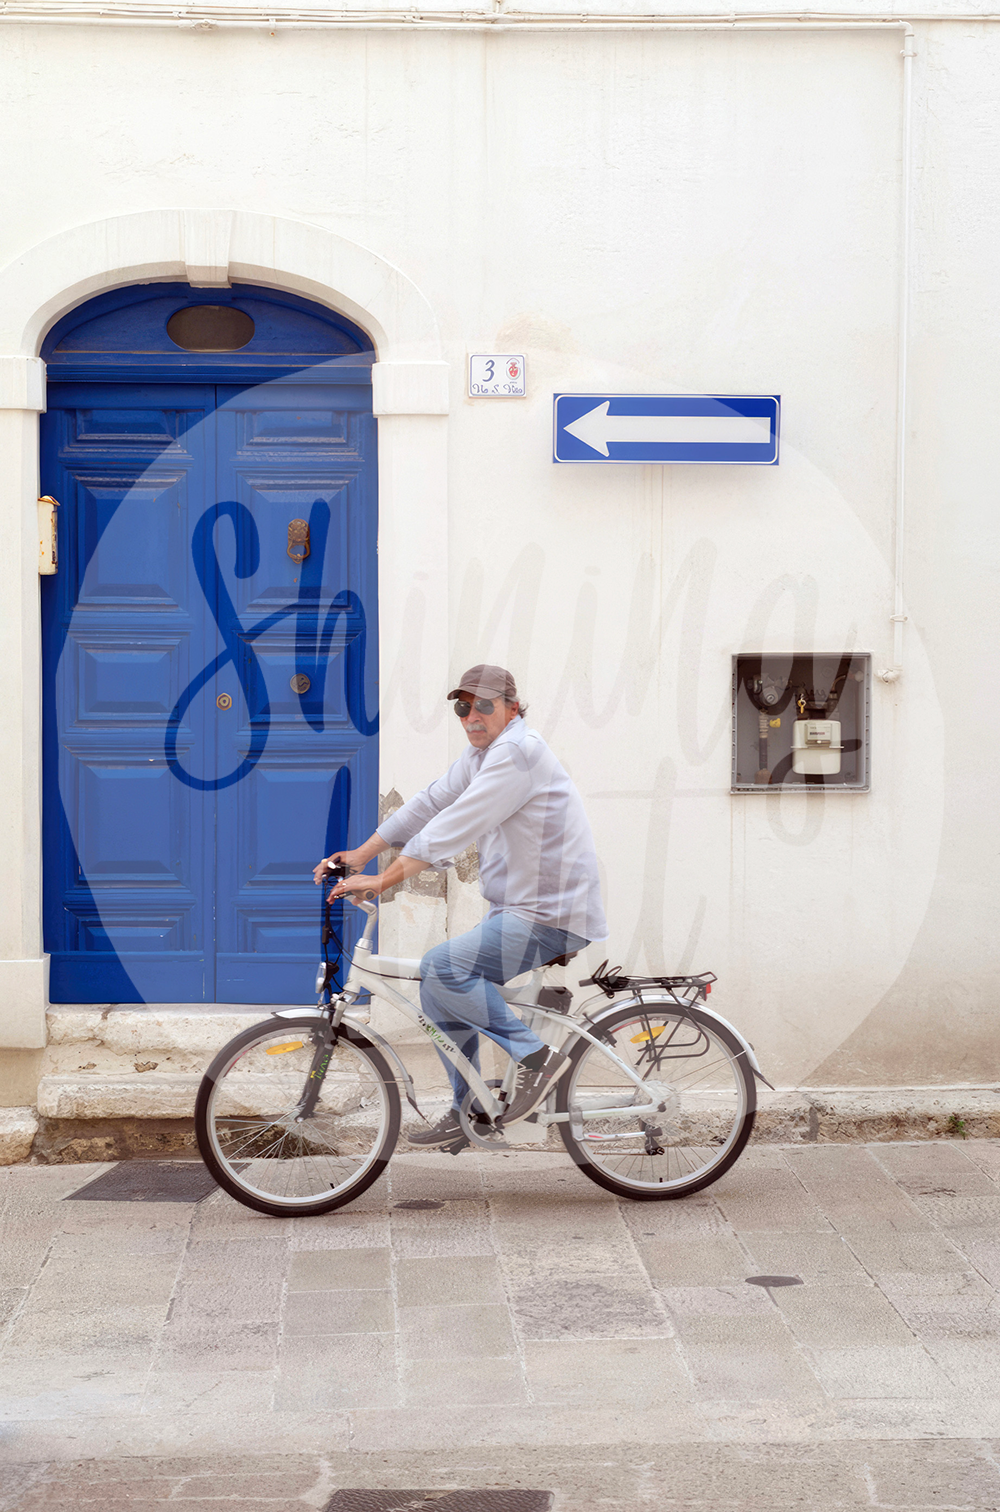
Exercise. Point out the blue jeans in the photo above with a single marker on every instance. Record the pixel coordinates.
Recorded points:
(458, 992)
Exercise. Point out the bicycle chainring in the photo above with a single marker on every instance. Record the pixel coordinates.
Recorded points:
(472, 1129)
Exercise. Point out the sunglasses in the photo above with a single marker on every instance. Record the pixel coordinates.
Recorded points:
(463, 708)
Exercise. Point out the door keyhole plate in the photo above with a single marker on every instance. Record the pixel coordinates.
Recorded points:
(224, 701)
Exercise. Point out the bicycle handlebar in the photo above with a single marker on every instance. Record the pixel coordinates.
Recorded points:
(340, 873)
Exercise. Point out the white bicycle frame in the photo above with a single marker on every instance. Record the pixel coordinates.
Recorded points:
(373, 973)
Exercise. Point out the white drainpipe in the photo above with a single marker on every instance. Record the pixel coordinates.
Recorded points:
(892, 674)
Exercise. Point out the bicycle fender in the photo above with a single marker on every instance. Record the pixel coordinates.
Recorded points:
(402, 1075)
(593, 1022)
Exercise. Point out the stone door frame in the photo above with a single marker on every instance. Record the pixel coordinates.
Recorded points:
(410, 383)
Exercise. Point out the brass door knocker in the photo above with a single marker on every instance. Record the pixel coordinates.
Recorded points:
(298, 541)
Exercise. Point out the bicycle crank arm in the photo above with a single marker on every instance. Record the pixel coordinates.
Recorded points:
(471, 1132)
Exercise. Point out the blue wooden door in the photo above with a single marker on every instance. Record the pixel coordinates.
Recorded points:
(210, 702)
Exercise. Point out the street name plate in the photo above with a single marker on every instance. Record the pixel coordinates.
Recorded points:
(496, 375)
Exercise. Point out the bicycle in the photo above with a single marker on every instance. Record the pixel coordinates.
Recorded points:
(301, 1114)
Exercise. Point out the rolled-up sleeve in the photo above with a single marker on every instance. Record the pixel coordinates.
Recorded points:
(500, 787)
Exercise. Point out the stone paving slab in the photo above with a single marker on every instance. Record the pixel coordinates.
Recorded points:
(522, 1328)
(895, 1476)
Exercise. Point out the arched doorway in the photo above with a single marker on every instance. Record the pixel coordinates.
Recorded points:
(210, 682)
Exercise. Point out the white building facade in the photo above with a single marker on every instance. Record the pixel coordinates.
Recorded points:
(634, 204)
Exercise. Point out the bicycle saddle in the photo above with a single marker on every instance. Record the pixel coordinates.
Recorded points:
(562, 960)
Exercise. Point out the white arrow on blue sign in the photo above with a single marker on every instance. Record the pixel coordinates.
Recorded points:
(726, 428)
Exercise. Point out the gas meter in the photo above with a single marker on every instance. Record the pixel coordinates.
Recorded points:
(801, 721)
(816, 746)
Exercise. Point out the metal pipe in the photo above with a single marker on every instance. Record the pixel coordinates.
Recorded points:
(208, 18)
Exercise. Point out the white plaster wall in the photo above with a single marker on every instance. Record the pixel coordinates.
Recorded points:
(641, 212)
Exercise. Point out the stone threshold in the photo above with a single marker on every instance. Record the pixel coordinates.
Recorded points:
(808, 1115)
(122, 1118)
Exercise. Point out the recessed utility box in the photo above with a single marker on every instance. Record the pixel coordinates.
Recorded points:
(801, 721)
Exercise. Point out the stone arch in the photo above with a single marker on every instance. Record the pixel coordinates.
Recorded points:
(210, 248)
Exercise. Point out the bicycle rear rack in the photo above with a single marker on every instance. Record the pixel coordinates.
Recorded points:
(693, 989)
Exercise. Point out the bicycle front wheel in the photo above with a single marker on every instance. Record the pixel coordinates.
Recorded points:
(248, 1135)
(707, 1086)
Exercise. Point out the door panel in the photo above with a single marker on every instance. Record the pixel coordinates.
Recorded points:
(286, 454)
(180, 836)
(128, 910)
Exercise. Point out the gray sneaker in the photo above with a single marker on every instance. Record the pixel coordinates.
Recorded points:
(534, 1086)
(445, 1131)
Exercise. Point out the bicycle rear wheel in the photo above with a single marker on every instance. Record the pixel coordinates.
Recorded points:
(247, 1132)
(709, 1090)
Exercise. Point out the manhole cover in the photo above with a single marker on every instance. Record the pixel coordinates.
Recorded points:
(774, 1281)
(497, 1500)
(149, 1181)
(423, 1205)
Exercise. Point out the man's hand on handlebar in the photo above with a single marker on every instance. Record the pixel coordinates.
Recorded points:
(353, 860)
(396, 872)
(361, 884)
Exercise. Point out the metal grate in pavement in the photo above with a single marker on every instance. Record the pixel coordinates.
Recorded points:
(500, 1500)
(148, 1181)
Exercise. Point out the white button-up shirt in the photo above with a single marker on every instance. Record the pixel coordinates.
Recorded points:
(516, 801)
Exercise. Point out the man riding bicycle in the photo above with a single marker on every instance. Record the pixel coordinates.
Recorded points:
(537, 870)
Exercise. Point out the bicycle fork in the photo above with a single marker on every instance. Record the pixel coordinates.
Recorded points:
(326, 1042)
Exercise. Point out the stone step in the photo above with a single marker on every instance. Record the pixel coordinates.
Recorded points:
(133, 1073)
(171, 1028)
(111, 1064)
(789, 1116)
(803, 1115)
(141, 1062)
(141, 1095)
(18, 1127)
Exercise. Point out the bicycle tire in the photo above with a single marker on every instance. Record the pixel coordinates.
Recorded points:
(704, 1130)
(246, 1149)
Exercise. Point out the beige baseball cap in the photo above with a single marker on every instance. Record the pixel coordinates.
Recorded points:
(484, 681)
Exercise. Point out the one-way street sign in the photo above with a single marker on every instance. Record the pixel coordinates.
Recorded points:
(726, 428)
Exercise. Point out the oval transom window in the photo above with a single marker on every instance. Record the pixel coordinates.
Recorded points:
(210, 328)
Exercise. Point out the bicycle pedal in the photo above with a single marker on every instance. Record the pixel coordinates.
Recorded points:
(457, 1147)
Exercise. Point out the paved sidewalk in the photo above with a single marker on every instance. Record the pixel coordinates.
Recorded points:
(519, 1327)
